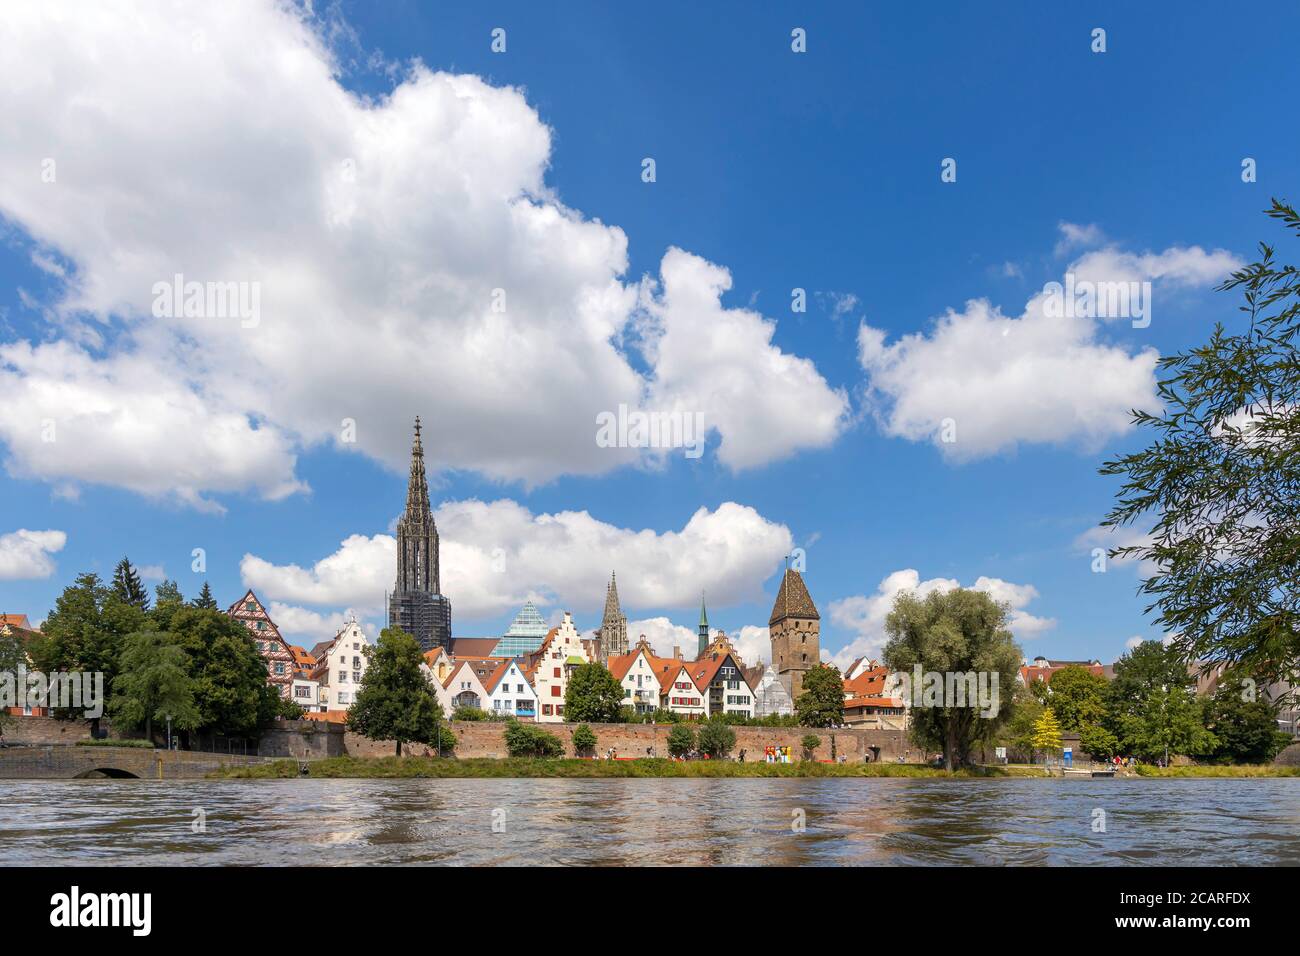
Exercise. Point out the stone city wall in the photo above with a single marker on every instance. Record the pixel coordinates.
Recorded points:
(486, 739)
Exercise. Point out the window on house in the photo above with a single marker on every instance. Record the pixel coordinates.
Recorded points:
(555, 690)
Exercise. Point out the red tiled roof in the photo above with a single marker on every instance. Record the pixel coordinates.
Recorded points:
(867, 703)
(473, 646)
(490, 683)
(620, 664)
(1030, 674)
(869, 683)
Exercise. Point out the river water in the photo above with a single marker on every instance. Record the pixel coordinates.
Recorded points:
(743, 822)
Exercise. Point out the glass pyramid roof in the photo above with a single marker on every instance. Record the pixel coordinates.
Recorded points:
(528, 623)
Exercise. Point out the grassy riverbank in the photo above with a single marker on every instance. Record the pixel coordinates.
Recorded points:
(1243, 770)
(377, 767)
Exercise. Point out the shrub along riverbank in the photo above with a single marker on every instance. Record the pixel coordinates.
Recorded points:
(359, 767)
(1211, 770)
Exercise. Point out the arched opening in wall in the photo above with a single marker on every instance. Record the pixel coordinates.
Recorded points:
(101, 773)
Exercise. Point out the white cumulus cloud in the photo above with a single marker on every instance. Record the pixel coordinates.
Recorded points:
(28, 555)
(405, 250)
(864, 615)
(496, 555)
(980, 382)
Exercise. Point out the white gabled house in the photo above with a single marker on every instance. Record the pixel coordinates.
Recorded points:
(636, 672)
(464, 689)
(678, 692)
(510, 692)
(340, 666)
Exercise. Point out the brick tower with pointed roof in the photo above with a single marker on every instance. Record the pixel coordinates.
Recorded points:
(417, 605)
(795, 629)
(613, 627)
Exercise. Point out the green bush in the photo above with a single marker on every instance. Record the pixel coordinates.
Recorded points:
(529, 740)
(469, 714)
(108, 742)
(716, 739)
(810, 744)
(584, 741)
(681, 740)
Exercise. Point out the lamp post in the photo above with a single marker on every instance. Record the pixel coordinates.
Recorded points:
(169, 731)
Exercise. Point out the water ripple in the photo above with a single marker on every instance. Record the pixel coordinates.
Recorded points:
(692, 822)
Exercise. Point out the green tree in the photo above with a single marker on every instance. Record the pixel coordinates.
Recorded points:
(85, 632)
(287, 709)
(716, 739)
(1220, 481)
(810, 744)
(1244, 726)
(951, 633)
(12, 656)
(128, 586)
(529, 740)
(663, 715)
(205, 598)
(593, 694)
(1047, 732)
(396, 701)
(1098, 742)
(584, 741)
(230, 688)
(1146, 672)
(822, 702)
(1170, 721)
(153, 683)
(1017, 733)
(1077, 697)
(167, 601)
(681, 740)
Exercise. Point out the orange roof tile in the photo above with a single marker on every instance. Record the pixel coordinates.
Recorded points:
(869, 702)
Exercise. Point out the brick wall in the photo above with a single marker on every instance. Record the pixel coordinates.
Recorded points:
(41, 731)
(486, 739)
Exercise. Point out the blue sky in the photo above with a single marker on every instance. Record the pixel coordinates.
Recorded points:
(818, 170)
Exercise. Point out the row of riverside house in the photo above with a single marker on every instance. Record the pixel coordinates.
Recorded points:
(532, 685)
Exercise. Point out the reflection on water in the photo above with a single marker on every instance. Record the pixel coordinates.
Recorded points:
(696, 822)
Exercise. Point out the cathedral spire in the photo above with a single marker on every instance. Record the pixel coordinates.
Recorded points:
(418, 605)
(613, 627)
(417, 486)
(612, 610)
(417, 536)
